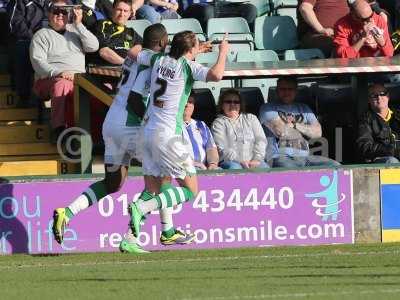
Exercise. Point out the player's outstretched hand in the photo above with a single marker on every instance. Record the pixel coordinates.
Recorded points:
(134, 51)
(224, 46)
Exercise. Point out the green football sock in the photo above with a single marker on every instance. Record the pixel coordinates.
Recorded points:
(91, 195)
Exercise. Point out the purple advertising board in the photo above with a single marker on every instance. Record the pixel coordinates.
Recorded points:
(231, 210)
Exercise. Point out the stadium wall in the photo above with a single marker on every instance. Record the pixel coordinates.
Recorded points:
(259, 209)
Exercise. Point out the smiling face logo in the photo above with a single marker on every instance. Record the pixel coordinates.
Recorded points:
(327, 201)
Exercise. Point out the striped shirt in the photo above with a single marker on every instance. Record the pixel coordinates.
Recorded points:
(199, 139)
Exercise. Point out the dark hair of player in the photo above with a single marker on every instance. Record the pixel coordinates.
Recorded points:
(182, 43)
(153, 35)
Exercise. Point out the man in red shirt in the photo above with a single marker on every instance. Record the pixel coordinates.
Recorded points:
(362, 33)
(316, 19)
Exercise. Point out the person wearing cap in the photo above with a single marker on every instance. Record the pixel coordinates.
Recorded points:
(199, 139)
(378, 138)
(57, 53)
(362, 33)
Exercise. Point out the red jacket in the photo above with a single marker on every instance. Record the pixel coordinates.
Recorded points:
(347, 32)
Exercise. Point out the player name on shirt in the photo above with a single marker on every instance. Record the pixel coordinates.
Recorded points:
(166, 71)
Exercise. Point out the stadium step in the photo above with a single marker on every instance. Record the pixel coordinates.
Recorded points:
(41, 166)
(8, 98)
(5, 80)
(27, 149)
(18, 114)
(24, 134)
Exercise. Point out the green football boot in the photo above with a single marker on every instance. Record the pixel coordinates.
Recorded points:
(136, 218)
(129, 247)
(60, 221)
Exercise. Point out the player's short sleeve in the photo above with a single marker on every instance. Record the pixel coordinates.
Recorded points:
(309, 116)
(142, 82)
(147, 58)
(199, 72)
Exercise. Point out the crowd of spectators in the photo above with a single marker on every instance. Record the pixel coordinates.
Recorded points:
(52, 42)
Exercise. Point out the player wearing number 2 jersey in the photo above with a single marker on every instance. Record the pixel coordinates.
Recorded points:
(121, 134)
(165, 155)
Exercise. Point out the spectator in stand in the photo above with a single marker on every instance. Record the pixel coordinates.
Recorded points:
(316, 20)
(95, 10)
(200, 141)
(379, 128)
(239, 136)
(115, 39)
(57, 53)
(156, 10)
(362, 33)
(202, 10)
(26, 17)
(288, 126)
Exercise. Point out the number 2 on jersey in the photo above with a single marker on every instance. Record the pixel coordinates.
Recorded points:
(162, 89)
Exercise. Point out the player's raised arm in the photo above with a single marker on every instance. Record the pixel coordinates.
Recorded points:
(217, 71)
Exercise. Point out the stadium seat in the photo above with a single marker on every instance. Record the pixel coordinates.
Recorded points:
(394, 93)
(174, 26)
(304, 95)
(205, 108)
(263, 6)
(303, 54)
(138, 25)
(211, 57)
(253, 99)
(336, 109)
(258, 55)
(236, 27)
(276, 33)
(214, 87)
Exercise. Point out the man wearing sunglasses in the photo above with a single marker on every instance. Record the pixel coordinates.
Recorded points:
(57, 53)
(362, 33)
(379, 128)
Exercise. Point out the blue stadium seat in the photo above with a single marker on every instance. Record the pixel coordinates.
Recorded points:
(138, 25)
(205, 108)
(303, 54)
(258, 55)
(276, 33)
(236, 27)
(174, 26)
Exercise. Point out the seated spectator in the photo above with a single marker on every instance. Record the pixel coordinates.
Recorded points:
(240, 139)
(379, 129)
(362, 33)
(57, 53)
(202, 10)
(288, 127)
(115, 39)
(156, 10)
(200, 141)
(316, 20)
(26, 17)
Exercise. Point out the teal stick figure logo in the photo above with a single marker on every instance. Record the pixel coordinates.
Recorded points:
(327, 201)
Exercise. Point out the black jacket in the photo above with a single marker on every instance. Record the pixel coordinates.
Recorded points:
(376, 138)
(117, 38)
(26, 17)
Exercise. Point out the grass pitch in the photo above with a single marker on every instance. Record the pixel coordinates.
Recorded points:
(325, 272)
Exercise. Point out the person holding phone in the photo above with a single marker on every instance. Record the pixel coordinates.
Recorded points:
(362, 33)
(57, 53)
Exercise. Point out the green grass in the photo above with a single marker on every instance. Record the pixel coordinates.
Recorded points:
(327, 272)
